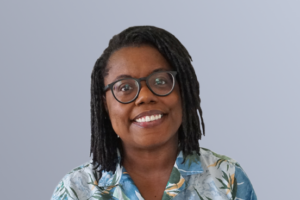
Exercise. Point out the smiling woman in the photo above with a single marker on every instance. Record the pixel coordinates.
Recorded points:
(132, 121)
(145, 110)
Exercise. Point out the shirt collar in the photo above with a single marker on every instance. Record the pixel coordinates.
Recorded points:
(110, 181)
(192, 164)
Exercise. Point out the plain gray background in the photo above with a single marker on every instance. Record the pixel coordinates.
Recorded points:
(246, 55)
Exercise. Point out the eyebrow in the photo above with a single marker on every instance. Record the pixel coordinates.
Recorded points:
(128, 76)
(122, 76)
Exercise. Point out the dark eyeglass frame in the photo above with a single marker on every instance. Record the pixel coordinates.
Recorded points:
(138, 80)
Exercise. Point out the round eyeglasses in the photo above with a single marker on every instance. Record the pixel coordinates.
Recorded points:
(126, 90)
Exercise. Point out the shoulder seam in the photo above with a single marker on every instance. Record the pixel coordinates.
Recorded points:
(219, 156)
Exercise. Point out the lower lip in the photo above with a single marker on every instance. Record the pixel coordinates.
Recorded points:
(151, 123)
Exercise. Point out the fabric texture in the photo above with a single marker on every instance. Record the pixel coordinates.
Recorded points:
(209, 176)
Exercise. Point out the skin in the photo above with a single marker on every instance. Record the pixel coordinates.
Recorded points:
(149, 153)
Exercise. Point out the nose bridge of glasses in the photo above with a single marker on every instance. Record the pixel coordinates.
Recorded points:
(142, 79)
(144, 85)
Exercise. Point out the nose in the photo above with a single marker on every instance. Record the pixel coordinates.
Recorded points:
(145, 95)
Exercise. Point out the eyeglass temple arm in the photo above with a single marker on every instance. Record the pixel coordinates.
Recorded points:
(106, 87)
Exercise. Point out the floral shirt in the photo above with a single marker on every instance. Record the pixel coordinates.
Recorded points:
(206, 177)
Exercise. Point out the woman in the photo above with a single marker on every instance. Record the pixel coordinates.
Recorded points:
(144, 118)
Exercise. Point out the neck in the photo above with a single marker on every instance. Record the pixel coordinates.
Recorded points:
(149, 161)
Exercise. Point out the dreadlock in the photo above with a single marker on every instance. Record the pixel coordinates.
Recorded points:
(104, 141)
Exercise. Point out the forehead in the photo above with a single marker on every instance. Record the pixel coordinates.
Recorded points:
(136, 62)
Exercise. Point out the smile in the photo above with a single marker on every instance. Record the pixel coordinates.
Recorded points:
(149, 118)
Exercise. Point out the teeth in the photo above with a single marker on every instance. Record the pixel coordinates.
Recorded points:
(149, 118)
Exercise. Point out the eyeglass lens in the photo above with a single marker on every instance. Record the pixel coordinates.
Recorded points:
(160, 83)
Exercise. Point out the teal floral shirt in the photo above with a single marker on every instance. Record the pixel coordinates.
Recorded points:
(209, 176)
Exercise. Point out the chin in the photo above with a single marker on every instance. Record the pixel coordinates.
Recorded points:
(154, 142)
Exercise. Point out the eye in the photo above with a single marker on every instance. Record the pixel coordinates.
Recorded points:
(160, 81)
(125, 87)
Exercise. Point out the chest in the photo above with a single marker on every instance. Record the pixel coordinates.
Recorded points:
(151, 187)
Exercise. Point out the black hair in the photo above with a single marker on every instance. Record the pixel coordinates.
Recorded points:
(104, 141)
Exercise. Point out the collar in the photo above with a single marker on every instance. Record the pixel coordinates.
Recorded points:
(192, 164)
(120, 184)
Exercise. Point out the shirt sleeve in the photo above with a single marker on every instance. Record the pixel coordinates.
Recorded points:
(245, 189)
(60, 192)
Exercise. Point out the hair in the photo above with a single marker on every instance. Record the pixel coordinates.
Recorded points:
(104, 140)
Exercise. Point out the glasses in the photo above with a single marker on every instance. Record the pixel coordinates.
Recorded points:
(126, 90)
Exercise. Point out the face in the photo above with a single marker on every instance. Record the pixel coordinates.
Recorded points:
(138, 62)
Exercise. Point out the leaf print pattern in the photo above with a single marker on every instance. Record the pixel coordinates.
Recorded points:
(62, 191)
(119, 194)
(101, 191)
(194, 158)
(218, 155)
(74, 192)
(175, 183)
(231, 185)
(208, 176)
(201, 196)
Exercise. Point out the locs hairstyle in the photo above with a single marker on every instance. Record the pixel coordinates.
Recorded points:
(104, 141)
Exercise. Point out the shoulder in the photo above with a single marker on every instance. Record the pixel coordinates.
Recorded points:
(79, 183)
(209, 156)
(227, 174)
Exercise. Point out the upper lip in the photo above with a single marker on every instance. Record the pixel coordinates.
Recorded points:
(148, 113)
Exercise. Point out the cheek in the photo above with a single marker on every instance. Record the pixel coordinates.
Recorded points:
(118, 114)
(176, 106)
